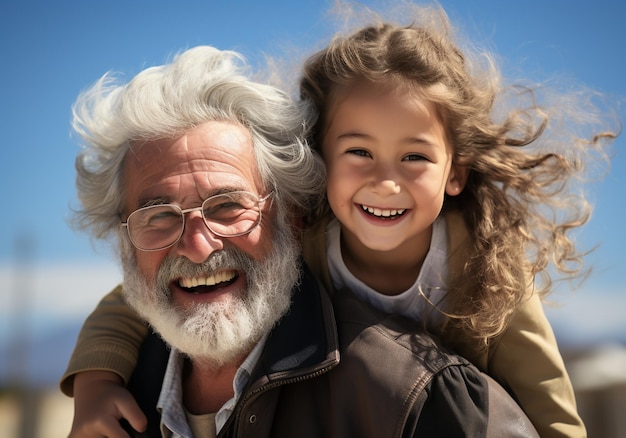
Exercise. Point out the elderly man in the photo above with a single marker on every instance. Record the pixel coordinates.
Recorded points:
(203, 175)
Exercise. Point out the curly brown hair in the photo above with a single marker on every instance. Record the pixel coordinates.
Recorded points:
(520, 202)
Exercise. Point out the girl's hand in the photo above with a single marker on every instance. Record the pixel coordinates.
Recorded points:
(100, 401)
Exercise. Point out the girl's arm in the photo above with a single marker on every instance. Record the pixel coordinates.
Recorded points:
(526, 359)
(108, 341)
(102, 362)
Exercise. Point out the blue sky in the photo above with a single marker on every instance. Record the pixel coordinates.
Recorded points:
(52, 50)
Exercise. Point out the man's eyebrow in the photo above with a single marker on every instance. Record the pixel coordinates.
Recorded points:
(161, 200)
(149, 202)
(226, 190)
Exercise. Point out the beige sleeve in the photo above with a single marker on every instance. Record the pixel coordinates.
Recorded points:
(314, 252)
(109, 340)
(527, 360)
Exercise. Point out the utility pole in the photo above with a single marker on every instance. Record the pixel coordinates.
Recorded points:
(28, 396)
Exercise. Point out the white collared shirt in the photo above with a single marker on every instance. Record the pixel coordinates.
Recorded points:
(174, 422)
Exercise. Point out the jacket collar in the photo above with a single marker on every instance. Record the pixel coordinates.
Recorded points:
(305, 339)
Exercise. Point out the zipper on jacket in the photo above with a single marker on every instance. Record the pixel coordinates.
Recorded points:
(264, 388)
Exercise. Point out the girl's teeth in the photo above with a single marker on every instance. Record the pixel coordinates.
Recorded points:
(382, 213)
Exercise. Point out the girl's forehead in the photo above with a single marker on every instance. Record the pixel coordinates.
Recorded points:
(392, 88)
(384, 113)
(395, 93)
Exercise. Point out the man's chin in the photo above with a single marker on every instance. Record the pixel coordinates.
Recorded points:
(214, 333)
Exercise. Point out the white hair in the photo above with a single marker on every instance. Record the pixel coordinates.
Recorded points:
(201, 84)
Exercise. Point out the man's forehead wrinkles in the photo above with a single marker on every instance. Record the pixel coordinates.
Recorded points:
(138, 147)
(208, 177)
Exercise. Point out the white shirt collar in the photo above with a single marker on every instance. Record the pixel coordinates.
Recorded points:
(170, 404)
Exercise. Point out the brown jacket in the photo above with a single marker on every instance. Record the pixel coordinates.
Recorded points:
(376, 375)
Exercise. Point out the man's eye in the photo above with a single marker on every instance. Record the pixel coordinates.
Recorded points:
(163, 216)
(223, 207)
(225, 211)
(158, 217)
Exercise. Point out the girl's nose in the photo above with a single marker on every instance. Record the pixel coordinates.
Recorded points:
(387, 187)
(385, 180)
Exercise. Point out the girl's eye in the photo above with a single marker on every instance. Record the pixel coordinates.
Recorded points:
(359, 152)
(414, 157)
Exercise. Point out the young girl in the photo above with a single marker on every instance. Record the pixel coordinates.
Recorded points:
(449, 197)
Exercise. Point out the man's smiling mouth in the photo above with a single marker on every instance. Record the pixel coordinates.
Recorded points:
(208, 283)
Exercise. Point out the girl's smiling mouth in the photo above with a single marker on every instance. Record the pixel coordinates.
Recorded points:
(383, 213)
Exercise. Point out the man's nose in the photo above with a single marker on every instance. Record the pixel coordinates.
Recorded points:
(197, 242)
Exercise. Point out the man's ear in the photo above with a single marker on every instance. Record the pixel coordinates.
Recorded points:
(457, 179)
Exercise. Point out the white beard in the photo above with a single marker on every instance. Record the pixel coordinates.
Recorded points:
(216, 333)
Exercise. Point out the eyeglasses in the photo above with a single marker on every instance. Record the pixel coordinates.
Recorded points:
(158, 227)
